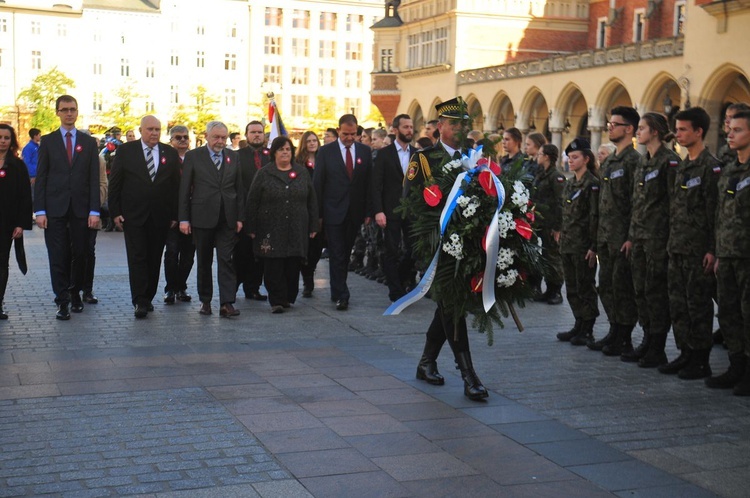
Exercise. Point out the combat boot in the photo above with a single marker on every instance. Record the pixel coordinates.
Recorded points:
(585, 334)
(678, 363)
(607, 339)
(639, 352)
(743, 387)
(567, 336)
(427, 368)
(732, 377)
(697, 366)
(473, 388)
(655, 355)
(622, 343)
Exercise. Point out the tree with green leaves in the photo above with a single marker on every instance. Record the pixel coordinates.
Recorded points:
(205, 109)
(120, 113)
(325, 117)
(41, 95)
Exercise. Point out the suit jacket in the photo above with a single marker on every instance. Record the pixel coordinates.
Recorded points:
(133, 195)
(204, 190)
(338, 196)
(248, 167)
(61, 185)
(387, 181)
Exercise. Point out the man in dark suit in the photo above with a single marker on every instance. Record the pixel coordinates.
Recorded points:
(211, 207)
(387, 185)
(252, 158)
(143, 187)
(67, 203)
(342, 176)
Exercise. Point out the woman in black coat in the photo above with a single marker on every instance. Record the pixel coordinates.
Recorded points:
(282, 215)
(308, 148)
(15, 202)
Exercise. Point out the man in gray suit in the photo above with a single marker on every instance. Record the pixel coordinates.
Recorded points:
(211, 207)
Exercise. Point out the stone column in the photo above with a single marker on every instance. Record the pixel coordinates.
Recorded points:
(557, 141)
(596, 137)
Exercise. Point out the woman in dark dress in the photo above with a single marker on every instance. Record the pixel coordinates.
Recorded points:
(308, 148)
(282, 218)
(15, 202)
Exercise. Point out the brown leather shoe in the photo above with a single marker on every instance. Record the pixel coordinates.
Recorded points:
(205, 309)
(228, 310)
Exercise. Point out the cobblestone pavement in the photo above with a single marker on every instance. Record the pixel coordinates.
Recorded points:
(316, 402)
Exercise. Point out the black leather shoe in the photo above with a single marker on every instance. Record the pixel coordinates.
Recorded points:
(183, 296)
(307, 292)
(140, 311)
(76, 305)
(227, 310)
(342, 304)
(428, 372)
(90, 298)
(205, 309)
(63, 312)
(257, 296)
(3, 314)
(169, 297)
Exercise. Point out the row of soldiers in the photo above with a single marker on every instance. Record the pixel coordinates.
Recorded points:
(670, 236)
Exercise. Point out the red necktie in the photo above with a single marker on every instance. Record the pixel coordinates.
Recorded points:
(69, 147)
(349, 163)
(257, 160)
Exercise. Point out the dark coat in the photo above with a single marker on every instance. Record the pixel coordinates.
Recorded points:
(282, 211)
(248, 166)
(15, 195)
(339, 198)
(387, 181)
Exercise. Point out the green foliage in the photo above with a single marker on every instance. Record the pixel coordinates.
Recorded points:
(121, 113)
(41, 96)
(325, 117)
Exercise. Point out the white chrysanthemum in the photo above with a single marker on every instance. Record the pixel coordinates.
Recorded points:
(463, 201)
(519, 187)
(507, 279)
(471, 207)
(520, 197)
(506, 223)
(504, 258)
(454, 246)
(455, 164)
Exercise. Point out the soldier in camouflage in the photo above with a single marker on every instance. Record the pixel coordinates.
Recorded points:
(615, 279)
(725, 153)
(649, 232)
(580, 221)
(733, 258)
(691, 247)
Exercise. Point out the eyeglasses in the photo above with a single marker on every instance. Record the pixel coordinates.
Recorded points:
(612, 124)
(67, 109)
(180, 138)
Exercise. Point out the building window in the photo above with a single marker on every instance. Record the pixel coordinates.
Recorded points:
(36, 28)
(124, 67)
(639, 25)
(230, 97)
(230, 62)
(174, 94)
(353, 51)
(272, 45)
(326, 77)
(299, 105)
(441, 45)
(386, 60)
(412, 54)
(97, 67)
(601, 32)
(1, 57)
(62, 29)
(3, 25)
(352, 79)
(149, 69)
(232, 33)
(679, 18)
(300, 75)
(301, 19)
(97, 101)
(300, 47)
(351, 105)
(426, 41)
(327, 21)
(174, 59)
(274, 16)
(200, 58)
(354, 22)
(327, 49)
(122, 38)
(200, 30)
(36, 59)
(97, 36)
(150, 106)
(271, 74)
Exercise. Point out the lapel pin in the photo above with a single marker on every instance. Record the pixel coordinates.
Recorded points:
(359, 161)
(79, 148)
(163, 160)
(2, 173)
(292, 175)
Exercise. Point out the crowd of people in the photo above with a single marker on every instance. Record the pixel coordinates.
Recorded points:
(669, 235)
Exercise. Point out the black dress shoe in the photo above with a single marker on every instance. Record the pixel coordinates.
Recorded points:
(227, 310)
(307, 292)
(76, 305)
(555, 298)
(169, 297)
(342, 304)
(258, 296)
(63, 312)
(183, 296)
(90, 298)
(205, 309)
(3, 314)
(141, 311)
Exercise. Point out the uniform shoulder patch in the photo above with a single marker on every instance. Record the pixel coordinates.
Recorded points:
(560, 179)
(595, 188)
(673, 163)
(411, 171)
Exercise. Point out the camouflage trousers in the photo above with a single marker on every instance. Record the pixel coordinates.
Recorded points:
(649, 264)
(733, 281)
(691, 304)
(616, 286)
(580, 286)
(553, 271)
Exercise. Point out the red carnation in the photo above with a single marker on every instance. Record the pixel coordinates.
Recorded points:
(485, 180)
(432, 195)
(523, 228)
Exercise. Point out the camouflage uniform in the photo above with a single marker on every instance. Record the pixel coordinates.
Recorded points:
(649, 233)
(580, 221)
(726, 155)
(733, 251)
(692, 210)
(615, 280)
(547, 195)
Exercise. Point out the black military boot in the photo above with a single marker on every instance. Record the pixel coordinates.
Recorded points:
(639, 352)
(473, 388)
(698, 366)
(3, 314)
(622, 343)
(733, 376)
(655, 355)
(567, 336)
(585, 334)
(607, 339)
(678, 363)
(554, 296)
(427, 368)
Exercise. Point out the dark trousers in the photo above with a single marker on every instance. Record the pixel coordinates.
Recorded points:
(90, 265)
(580, 284)
(179, 255)
(249, 269)
(67, 241)
(445, 328)
(691, 306)
(6, 241)
(314, 249)
(616, 286)
(734, 303)
(282, 279)
(393, 266)
(144, 245)
(223, 239)
(649, 264)
(340, 242)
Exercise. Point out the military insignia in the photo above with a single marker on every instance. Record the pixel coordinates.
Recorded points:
(716, 169)
(595, 188)
(674, 163)
(411, 172)
(560, 179)
(693, 182)
(617, 174)
(651, 175)
(425, 167)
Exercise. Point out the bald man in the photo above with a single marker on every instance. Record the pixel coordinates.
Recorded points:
(143, 188)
